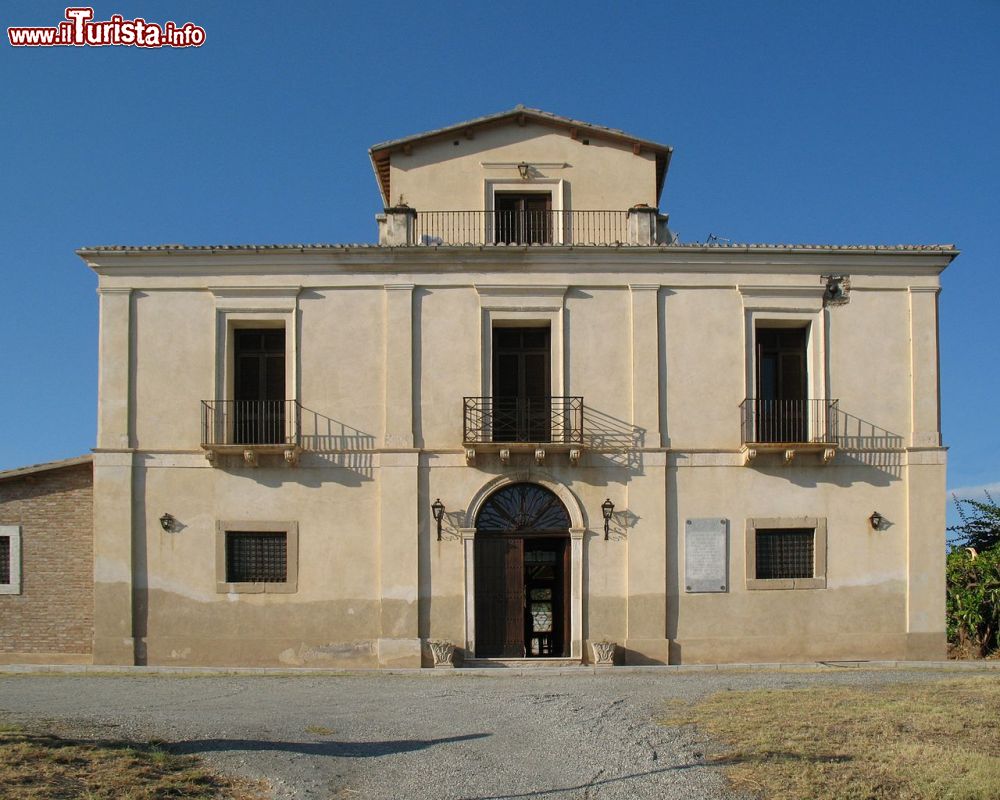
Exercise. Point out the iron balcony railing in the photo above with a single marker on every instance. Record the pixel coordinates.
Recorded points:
(519, 419)
(520, 227)
(788, 421)
(251, 422)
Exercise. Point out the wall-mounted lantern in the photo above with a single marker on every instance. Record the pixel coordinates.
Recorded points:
(876, 520)
(524, 169)
(607, 509)
(437, 508)
(168, 523)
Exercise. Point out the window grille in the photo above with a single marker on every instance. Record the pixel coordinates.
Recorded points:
(4, 559)
(256, 557)
(785, 553)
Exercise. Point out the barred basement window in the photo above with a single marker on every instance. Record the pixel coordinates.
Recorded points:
(785, 553)
(256, 557)
(253, 556)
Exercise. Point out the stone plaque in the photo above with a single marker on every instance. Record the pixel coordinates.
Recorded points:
(706, 555)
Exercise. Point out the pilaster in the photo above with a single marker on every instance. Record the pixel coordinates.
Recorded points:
(399, 365)
(114, 368)
(113, 642)
(398, 557)
(925, 428)
(646, 362)
(646, 543)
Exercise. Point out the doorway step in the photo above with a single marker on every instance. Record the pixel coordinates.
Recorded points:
(522, 663)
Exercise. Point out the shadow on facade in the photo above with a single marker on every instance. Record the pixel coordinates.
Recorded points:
(866, 453)
(620, 524)
(336, 451)
(612, 440)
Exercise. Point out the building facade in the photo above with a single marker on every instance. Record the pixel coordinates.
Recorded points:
(526, 421)
(47, 563)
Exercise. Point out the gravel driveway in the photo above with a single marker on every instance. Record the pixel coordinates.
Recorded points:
(409, 737)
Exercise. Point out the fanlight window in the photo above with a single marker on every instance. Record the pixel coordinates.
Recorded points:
(522, 507)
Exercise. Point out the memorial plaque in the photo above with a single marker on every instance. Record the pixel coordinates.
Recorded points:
(706, 555)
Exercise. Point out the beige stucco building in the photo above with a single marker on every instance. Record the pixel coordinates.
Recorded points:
(528, 345)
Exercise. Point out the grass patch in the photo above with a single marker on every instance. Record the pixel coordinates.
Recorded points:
(319, 730)
(930, 740)
(40, 765)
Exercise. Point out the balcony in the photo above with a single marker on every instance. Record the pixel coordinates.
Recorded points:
(789, 427)
(521, 227)
(511, 424)
(640, 225)
(250, 428)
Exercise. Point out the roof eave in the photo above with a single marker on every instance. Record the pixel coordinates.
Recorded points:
(33, 469)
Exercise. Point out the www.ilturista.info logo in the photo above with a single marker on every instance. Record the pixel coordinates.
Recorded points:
(79, 29)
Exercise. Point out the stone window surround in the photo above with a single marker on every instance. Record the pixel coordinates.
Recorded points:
(787, 306)
(254, 307)
(556, 188)
(818, 525)
(522, 306)
(291, 582)
(13, 532)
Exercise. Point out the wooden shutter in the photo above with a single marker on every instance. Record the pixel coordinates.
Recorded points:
(499, 597)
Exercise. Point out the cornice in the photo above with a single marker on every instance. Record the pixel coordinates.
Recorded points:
(401, 262)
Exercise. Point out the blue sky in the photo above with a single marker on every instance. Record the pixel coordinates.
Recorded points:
(849, 122)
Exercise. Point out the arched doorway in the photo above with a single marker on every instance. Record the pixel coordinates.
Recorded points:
(522, 574)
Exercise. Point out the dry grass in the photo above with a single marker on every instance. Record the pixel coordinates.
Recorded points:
(40, 765)
(933, 740)
(319, 730)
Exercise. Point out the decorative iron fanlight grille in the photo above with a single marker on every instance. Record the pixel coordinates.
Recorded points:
(522, 507)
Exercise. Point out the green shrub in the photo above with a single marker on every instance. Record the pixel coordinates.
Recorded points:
(980, 526)
(973, 599)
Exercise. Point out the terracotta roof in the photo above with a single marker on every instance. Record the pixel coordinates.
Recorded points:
(381, 153)
(46, 467)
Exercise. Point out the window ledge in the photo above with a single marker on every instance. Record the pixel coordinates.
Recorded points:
(758, 584)
(256, 588)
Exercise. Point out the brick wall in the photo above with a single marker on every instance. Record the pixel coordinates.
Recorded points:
(54, 614)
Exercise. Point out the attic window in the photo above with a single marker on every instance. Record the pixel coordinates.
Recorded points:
(523, 218)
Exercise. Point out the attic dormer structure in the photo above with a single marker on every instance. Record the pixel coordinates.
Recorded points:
(521, 177)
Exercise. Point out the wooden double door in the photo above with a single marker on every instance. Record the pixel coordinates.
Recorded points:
(522, 596)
